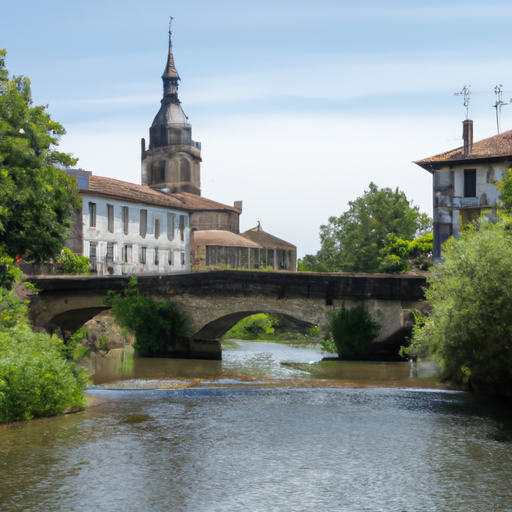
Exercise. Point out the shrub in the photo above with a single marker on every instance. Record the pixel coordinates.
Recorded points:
(158, 325)
(353, 330)
(72, 263)
(35, 379)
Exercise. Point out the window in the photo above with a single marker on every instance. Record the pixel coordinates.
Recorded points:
(469, 182)
(182, 228)
(157, 228)
(170, 258)
(126, 219)
(182, 259)
(143, 252)
(93, 249)
(184, 170)
(110, 252)
(157, 257)
(170, 226)
(127, 253)
(110, 217)
(143, 227)
(92, 215)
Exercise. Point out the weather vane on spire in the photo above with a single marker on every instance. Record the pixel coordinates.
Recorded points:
(466, 93)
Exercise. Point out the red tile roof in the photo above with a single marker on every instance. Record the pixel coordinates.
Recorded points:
(493, 147)
(102, 186)
(259, 236)
(219, 237)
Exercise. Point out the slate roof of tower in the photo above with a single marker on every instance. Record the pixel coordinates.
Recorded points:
(492, 147)
(109, 187)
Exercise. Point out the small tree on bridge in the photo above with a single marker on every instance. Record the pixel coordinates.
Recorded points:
(158, 325)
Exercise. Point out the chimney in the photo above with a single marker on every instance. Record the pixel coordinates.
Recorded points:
(238, 204)
(467, 136)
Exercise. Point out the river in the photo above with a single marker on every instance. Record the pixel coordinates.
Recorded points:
(266, 429)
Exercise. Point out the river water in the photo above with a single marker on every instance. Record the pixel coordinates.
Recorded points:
(267, 429)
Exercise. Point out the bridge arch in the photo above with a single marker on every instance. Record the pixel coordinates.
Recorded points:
(220, 326)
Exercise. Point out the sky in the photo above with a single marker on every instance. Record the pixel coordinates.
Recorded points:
(299, 105)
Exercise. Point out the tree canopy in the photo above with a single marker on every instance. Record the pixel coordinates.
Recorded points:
(36, 198)
(353, 241)
(469, 329)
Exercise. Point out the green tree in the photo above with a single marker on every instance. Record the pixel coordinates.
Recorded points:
(399, 255)
(158, 325)
(353, 330)
(469, 329)
(36, 198)
(353, 241)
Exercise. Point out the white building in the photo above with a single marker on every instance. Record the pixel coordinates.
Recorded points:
(126, 228)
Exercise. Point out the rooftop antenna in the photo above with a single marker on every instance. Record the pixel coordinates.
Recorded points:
(466, 93)
(499, 103)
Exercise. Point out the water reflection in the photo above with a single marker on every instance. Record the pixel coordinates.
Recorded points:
(281, 449)
(256, 363)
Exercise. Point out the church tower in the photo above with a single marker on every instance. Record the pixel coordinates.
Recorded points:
(172, 162)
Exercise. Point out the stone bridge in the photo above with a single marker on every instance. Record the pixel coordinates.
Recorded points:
(217, 300)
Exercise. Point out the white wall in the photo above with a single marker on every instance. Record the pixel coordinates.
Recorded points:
(175, 250)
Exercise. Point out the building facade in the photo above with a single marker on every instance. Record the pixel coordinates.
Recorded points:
(129, 229)
(464, 182)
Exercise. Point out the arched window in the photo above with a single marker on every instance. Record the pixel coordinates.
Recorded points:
(184, 170)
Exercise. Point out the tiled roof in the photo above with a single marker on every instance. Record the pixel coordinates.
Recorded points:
(110, 187)
(195, 202)
(493, 147)
(266, 239)
(224, 238)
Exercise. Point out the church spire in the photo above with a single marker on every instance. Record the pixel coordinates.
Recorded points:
(170, 76)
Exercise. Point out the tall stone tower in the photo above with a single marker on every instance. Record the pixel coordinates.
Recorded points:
(172, 161)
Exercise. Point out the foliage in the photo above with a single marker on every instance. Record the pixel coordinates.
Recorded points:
(469, 329)
(399, 255)
(36, 198)
(505, 189)
(353, 241)
(157, 325)
(9, 272)
(35, 380)
(329, 345)
(254, 327)
(353, 330)
(72, 263)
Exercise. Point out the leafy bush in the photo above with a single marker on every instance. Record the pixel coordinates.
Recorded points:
(329, 346)
(35, 380)
(469, 329)
(72, 263)
(353, 330)
(158, 325)
(254, 327)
